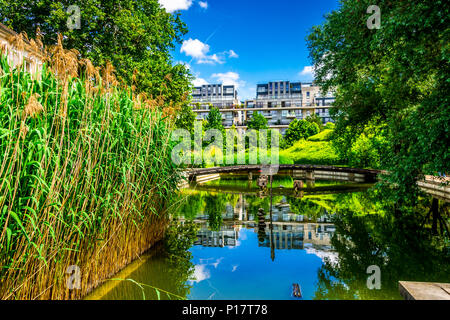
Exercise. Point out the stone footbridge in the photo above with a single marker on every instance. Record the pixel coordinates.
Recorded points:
(295, 170)
(437, 187)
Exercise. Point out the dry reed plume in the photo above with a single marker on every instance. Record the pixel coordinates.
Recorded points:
(85, 178)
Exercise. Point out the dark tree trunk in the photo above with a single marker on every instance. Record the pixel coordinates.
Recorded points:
(435, 210)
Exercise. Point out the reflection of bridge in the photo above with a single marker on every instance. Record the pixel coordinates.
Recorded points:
(438, 187)
(319, 190)
(341, 173)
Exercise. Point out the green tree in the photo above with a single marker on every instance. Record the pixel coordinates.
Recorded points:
(395, 76)
(186, 118)
(132, 35)
(214, 119)
(257, 122)
(299, 129)
(314, 118)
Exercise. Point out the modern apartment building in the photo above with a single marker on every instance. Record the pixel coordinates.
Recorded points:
(224, 97)
(280, 102)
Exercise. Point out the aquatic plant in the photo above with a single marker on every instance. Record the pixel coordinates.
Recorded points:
(85, 175)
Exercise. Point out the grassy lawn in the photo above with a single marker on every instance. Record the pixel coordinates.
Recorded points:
(314, 150)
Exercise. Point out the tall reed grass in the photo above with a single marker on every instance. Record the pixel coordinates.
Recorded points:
(85, 176)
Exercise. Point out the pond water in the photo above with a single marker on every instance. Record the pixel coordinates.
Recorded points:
(229, 242)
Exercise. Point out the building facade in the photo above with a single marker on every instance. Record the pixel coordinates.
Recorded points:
(223, 97)
(280, 102)
(30, 58)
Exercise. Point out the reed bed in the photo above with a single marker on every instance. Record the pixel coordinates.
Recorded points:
(85, 176)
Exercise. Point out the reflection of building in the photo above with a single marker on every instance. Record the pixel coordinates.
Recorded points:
(319, 234)
(295, 235)
(226, 237)
(289, 230)
(283, 239)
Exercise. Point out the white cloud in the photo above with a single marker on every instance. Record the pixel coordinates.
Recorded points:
(174, 5)
(198, 82)
(194, 48)
(228, 78)
(323, 254)
(201, 273)
(216, 263)
(232, 54)
(199, 51)
(203, 4)
(213, 59)
(307, 71)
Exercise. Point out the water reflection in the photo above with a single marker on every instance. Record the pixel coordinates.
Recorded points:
(230, 245)
(284, 230)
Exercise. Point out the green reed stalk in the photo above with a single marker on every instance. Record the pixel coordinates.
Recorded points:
(86, 181)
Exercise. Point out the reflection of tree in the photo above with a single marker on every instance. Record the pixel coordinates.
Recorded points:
(178, 240)
(168, 269)
(214, 207)
(399, 246)
(305, 207)
(192, 206)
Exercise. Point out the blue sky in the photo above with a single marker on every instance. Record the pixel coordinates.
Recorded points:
(244, 42)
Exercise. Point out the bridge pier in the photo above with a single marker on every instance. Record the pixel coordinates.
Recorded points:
(250, 176)
(310, 175)
(310, 179)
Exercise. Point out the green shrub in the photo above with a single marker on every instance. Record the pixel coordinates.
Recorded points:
(312, 152)
(299, 129)
(325, 135)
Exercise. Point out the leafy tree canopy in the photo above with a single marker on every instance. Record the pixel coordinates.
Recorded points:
(257, 122)
(132, 35)
(299, 129)
(214, 120)
(395, 76)
(316, 119)
(186, 118)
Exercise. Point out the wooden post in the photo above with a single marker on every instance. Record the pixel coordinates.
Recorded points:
(310, 175)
